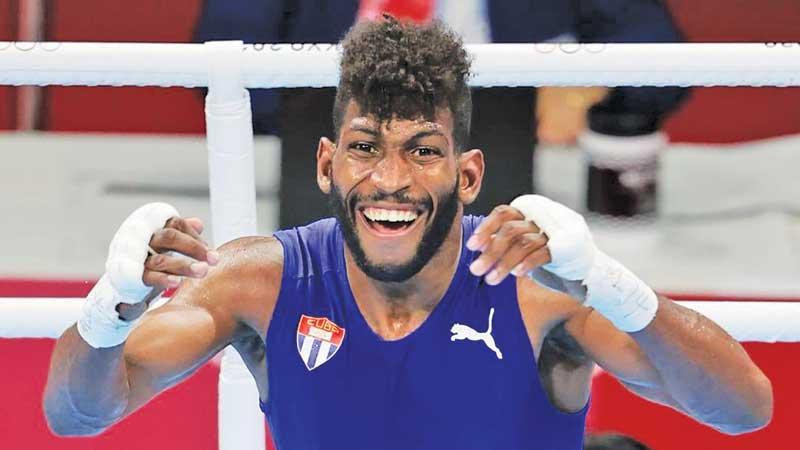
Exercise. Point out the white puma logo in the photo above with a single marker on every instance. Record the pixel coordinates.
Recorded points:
(461, 332)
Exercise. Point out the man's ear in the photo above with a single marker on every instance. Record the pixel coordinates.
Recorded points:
(325, 152)
(471, 167)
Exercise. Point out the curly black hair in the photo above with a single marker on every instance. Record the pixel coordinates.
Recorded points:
(402, 70)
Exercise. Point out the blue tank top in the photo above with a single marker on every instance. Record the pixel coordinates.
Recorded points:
(336, 384)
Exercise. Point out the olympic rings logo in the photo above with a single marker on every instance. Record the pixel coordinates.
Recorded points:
(27, 46)
(782, 44)
(568, 47)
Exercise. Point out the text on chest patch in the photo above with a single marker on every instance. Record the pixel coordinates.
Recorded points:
(318, 340)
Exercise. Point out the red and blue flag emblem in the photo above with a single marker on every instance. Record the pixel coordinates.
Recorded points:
(318, 339)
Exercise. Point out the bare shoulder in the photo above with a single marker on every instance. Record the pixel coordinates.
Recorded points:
(244, 285)
(254, 255)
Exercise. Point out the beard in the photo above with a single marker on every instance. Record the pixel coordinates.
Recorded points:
(433, 236)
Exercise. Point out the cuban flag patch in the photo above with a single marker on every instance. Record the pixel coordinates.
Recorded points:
(318, 339)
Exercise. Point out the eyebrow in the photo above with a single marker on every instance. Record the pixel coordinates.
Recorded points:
(365, 129)
(417, 136)
(426, 133)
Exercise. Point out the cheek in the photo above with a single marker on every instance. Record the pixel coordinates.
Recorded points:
(346, 174)
(358, 172)
(439, 181)
(353, 169)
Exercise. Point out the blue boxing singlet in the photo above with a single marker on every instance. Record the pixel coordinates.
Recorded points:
(335, 384)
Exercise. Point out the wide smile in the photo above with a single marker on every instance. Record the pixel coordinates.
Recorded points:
(388, 222)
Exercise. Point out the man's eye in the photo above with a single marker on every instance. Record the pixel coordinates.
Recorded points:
(364, 147)
(426, 152)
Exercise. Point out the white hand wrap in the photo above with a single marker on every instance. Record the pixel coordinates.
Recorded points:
(100, 325)
(612, 290)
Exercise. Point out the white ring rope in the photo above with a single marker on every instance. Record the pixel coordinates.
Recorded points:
(315, 65)
(745, 321)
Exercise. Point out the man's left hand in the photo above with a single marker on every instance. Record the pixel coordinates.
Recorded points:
(509, 244)
(533, 231)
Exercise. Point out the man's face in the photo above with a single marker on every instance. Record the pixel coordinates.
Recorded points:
(394, 186)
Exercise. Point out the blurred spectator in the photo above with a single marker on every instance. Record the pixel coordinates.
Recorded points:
(612, 442)
(504, 122)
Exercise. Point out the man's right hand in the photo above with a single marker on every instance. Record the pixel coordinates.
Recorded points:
(178, 251)
(181, 252)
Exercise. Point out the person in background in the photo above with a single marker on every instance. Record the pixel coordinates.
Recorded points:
(507, 121)
(612, 441)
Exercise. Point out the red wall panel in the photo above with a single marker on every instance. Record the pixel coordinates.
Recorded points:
(147, 110)
(126, 109)
(7, 107)
(737, 21)
(8, 19)
(729, 115)
(140, 21)
(8, 31)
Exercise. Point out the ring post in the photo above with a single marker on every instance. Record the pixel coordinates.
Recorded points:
(233, 215)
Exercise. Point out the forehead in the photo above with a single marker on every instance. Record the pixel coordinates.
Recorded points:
(355, 119)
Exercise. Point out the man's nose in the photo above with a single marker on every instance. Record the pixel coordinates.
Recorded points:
(392, 174)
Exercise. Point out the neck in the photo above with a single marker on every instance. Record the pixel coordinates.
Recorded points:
(395, 310)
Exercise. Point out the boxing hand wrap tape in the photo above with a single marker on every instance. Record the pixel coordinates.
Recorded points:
(611, 289)
(619, 295)
(100, 325)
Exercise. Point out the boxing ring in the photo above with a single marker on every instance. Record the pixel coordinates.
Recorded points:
(229, 68)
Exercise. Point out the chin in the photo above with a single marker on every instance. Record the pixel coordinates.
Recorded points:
(389, 273)
(393, 238)
(388, 262)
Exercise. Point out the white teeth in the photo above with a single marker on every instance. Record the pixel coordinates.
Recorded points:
(390, 215)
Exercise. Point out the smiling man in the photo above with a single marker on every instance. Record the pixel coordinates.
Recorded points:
(394, 220)
(400, 323)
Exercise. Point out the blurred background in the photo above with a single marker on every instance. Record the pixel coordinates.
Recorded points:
(75, 161)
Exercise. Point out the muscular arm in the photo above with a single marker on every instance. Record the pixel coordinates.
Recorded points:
(676, 356)
(90, 389)
(684, 360)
